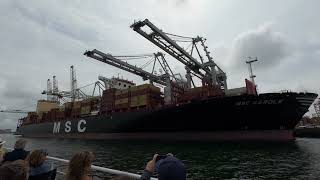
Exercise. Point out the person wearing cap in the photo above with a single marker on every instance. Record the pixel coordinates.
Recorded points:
(168, 168)
(18, 152)
(2, 150)
(38, 162)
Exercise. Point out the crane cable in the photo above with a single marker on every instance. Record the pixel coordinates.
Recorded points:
(179, 36)
(147, 64)
(132, 57)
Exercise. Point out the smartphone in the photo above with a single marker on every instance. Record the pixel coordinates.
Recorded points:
(159, 157)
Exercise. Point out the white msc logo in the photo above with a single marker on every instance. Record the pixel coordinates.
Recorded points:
(67, 126)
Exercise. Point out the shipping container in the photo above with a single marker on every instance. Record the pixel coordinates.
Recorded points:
(68, 105)
(45, 106)
(85, 110)
(121, 101)
(144, 89)
(76, 104)
(59, 116)
(121, 106)
(75, 113)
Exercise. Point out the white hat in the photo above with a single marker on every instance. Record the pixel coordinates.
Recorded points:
(2, 141)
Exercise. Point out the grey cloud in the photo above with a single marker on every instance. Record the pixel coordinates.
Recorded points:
(269, 46)
(181, 2)
(17, 93)
(16, 89)
(67, 20)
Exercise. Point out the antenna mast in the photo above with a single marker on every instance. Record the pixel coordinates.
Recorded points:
(249, 62)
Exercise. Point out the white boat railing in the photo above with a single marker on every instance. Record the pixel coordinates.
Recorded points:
(98, 168)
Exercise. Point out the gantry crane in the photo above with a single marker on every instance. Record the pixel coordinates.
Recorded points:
(112, 60)
(209, 72)
(316, 106)
(54, 94)
(171, 81)
(14, 111)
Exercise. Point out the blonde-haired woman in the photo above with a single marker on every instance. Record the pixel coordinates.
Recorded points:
(38, 162)
(80, 166)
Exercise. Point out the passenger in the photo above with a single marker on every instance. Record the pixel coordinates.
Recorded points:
(2, 150)
(18, 152)
(168, 168)
(80, 166)
(38, 162)
(17, 170)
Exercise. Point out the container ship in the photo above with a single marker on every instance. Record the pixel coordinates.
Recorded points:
(169, 107)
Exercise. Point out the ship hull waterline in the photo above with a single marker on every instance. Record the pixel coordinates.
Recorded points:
(268, 135)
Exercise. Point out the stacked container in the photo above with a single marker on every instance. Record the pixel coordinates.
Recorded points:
(32, 117)
(122, 99)
(60, 115)
(85, 107)
(76, 109)
(89, 105)
(200, 93)
(145, 95)
(107, 101)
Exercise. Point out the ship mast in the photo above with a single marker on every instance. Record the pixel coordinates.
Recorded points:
(249, 62)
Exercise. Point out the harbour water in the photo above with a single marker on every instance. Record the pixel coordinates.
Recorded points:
(213, 160)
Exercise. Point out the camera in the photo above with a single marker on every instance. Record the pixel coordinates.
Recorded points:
(159, 157)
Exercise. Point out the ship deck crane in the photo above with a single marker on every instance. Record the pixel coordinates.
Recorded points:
(209, 72)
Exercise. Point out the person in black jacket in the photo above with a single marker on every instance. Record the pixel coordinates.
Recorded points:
(168, 168)
(17, 153)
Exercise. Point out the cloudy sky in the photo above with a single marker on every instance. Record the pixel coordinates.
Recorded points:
(40, 39)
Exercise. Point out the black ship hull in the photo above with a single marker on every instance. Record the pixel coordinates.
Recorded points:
(267, 116)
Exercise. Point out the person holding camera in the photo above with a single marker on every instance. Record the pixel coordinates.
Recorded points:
(167, 166)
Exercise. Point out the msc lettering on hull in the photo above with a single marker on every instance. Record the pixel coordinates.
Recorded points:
(81, 126)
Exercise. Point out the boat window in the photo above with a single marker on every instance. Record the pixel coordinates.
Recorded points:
(125, 85)
(119, 84)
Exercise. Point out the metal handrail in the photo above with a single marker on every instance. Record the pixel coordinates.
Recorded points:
(98, 168)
